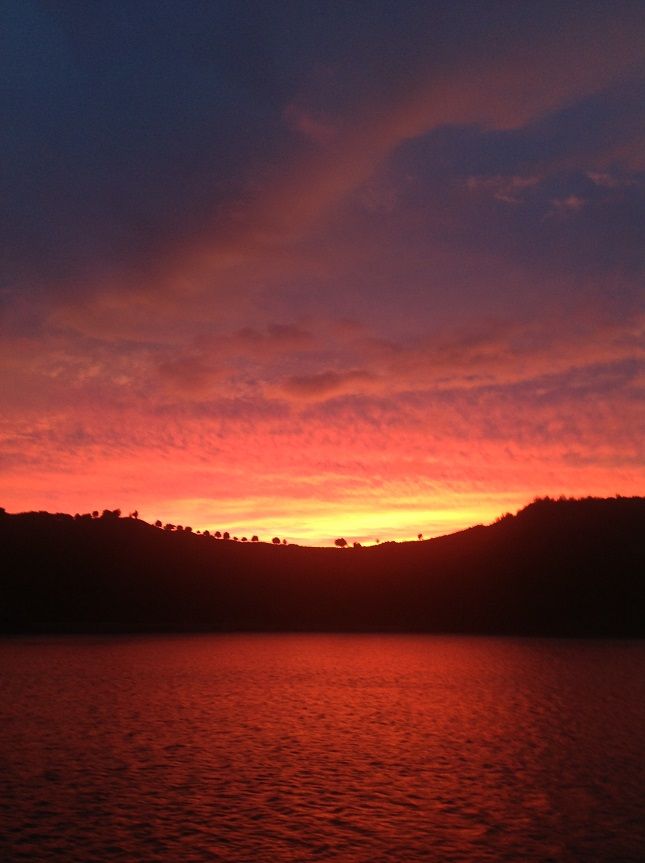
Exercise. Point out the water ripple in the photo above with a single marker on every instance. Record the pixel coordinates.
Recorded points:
(335, 748)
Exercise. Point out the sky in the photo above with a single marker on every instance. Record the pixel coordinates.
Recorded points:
(321, 269)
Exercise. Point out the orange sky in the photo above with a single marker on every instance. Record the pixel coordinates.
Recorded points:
(366, 277)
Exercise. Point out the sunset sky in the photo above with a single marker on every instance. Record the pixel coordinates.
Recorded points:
(320, 269)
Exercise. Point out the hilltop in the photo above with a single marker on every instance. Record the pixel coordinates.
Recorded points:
(557, 567)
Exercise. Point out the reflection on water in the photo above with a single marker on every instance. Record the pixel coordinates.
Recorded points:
(332, 748)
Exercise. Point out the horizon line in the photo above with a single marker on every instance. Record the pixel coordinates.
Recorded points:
(340, 541)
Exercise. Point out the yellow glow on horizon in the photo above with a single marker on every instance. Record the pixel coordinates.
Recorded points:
(315, 523)
(314, 507)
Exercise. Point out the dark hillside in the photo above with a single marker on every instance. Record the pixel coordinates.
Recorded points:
(558, 567)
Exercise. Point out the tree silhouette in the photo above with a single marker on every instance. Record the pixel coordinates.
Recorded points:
(276, 540)
(244, 539)
(419, 536)
(226, 535)
(341, 543)
(157, 523)
(111, 513)
(169, 526)
(357, 545)
(206, 532)
(254, 538)
(95, 513)
(218, 534)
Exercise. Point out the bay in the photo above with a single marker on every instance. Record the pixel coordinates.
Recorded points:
(271, 748)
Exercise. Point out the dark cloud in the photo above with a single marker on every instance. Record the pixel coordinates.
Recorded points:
(328, 384)
(131, 128)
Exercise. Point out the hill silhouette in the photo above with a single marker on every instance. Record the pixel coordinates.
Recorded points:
(558, 567)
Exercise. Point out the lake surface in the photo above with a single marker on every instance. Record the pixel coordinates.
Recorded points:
(346, 748)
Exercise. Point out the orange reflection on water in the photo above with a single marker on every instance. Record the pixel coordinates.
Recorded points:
(353, 748)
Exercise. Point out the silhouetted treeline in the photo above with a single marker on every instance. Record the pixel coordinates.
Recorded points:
(558, 567)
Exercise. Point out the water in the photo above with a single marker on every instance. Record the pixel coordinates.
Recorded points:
(331, 748)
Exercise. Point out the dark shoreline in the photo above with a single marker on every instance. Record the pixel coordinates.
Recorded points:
(561, 568)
